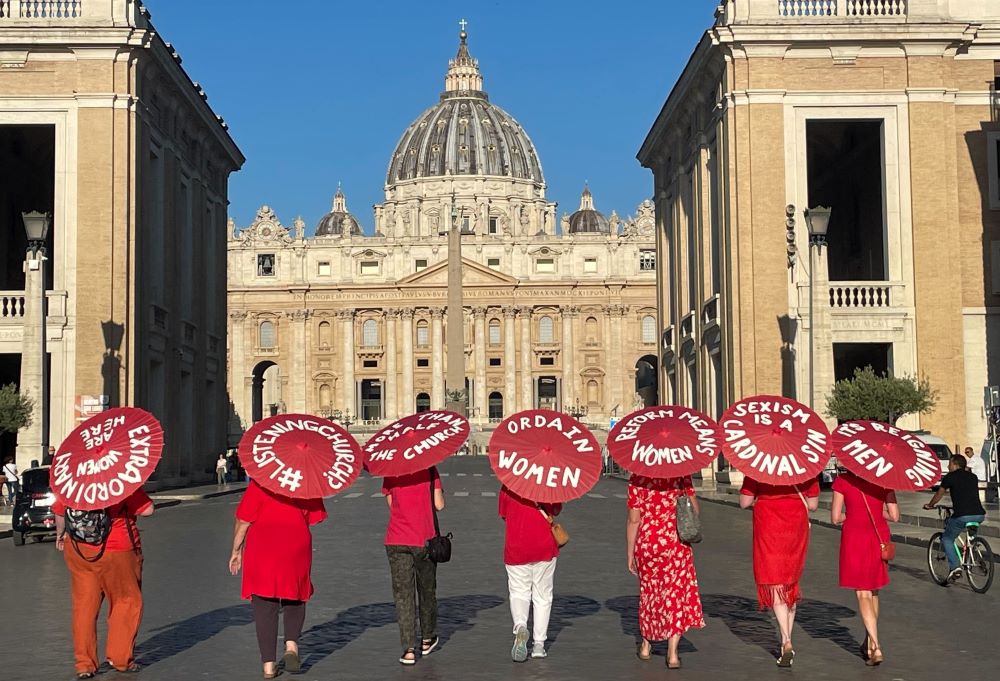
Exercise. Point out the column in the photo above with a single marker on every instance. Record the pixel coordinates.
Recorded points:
(479, 354)
(238, 372)
(389, 391)
(349, 391)
(407, 405)
(299, 380)
(510, 362)
(29, 440)
(568, 352)
(527, 400)
(616, 314)
(437, 359)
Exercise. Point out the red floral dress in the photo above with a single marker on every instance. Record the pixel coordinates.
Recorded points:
(669, 603)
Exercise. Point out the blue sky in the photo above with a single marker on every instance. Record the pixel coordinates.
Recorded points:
(318, 92)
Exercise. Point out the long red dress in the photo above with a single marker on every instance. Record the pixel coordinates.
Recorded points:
(780, 539)
(861, 564)
(669, 603)
(277, 555)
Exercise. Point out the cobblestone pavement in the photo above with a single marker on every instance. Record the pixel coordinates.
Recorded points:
(196, 627)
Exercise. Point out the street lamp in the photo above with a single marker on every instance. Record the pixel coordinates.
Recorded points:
(576, 410)
(344, 417)
(36, 228)
(817, 222)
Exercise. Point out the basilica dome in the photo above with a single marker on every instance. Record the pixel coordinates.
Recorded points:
(588, 220)
(332, 223)
(464, 133)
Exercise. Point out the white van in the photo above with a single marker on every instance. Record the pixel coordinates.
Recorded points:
(939, 446)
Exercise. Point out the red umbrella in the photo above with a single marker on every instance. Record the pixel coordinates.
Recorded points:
(775, 440)
(886, 456)
(300, 456)
(545, 456)
(415, 443)
(665, 442)
(106, 458)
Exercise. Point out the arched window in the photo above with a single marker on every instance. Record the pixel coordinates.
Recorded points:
(423, 403)
(324, 396)
(266, 337)
(494, 332)
(369, 333)
(324, 334)
(423, 334)
(496, 406)
(593, 392)
(590, 328)
(545, 334)
(649, 329)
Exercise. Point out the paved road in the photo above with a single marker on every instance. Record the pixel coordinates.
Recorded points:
(196, 627)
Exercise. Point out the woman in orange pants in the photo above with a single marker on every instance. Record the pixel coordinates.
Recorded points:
(112, 570)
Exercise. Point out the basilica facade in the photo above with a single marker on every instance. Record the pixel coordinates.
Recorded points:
(558, 313)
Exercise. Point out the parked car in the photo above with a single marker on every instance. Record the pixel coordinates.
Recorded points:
(32, 513)
(939, 446)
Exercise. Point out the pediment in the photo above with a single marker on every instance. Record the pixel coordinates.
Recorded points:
(473, 274)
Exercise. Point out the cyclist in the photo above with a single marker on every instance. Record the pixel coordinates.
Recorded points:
(964, 488)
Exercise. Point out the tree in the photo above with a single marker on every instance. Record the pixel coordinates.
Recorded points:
(15, 409)
(883, 398)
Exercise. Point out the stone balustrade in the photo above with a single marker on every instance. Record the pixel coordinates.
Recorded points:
(41, 9)
(841, 8)
(735, 12)
(13, 306)
(864, 295)
(72, 12)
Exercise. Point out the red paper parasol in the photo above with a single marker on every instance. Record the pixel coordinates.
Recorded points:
(106, 458)
(300, 456)
(545, 456)
(415, 443)
(886, 456)
(665, 442)
(775, 440)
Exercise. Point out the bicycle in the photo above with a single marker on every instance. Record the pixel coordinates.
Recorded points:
(976, 556)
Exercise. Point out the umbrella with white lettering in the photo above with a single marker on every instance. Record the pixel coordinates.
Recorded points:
(665, 442)
(775, 440)
(545, 456)
(884, 455)
(415, 443)
(300, 456)
(106, 459)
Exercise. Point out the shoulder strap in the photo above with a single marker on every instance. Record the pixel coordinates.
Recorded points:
(549, 519)
(802, 497)
(864, 500)
(434, 511)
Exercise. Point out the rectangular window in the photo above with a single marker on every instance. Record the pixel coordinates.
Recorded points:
(370, 364)
(369, 268)
(590, 265)
(495, 361)
(265, 265)
(545, 266)
(466, 223)
(423, 363)
(493, 263)
(423, 336)
(547, 361)
(993, 156)
(850, 356)
(494, 225)
(647, 260)
(324, 269)
(494, 333)
(420, 264)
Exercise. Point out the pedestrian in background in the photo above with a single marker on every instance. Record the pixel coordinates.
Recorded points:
(977, 466)
(411, 499)
(13, 479)
(50, 455)
(529, 555)
(780, 542)
(221, 468)
(110, 569)
(272, 543)
(669, 603)
(863, 509)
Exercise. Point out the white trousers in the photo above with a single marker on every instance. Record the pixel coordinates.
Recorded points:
(529, 585)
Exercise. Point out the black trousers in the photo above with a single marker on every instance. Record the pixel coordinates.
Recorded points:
(265, 616)
(414, 588)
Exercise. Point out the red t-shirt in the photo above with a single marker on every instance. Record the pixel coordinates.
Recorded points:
(529, 537)
(763, 490)
(121, 513)
(411, 522)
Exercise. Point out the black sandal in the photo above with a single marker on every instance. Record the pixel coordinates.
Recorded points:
(133, 668)
(428, 645)
(408, 661)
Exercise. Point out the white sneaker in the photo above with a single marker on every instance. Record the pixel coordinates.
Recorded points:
(538, 651)
(519, 653)
(955, 575)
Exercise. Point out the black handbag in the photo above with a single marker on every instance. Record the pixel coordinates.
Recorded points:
(438, 546)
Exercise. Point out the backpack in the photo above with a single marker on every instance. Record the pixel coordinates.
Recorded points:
(89, 527)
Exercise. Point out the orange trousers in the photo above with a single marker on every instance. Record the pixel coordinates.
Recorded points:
(117, 575)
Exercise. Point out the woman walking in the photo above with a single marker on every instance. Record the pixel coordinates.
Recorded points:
(272, 543)
(669, 603)
(861, 565)
(780, 543)
(413, 499)
(529, 554)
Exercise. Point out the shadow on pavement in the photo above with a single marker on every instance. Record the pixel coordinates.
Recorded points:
(566, 608)
(455, 613)
(819, 619)
(177, 637)
(627, 608)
